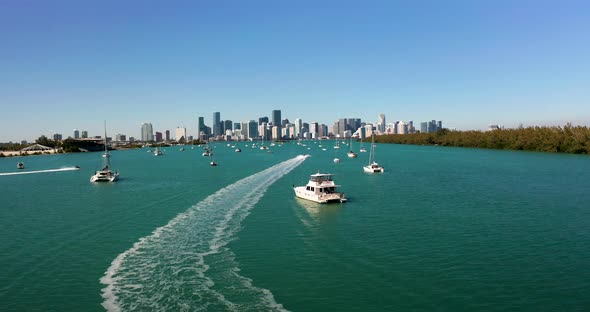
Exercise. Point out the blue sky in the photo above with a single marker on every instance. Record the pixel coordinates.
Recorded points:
(68, 65)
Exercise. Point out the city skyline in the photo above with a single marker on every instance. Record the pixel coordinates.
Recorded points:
(69, 65)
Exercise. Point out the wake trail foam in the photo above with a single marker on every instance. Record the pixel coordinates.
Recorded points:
(186, 265)
(38, 171)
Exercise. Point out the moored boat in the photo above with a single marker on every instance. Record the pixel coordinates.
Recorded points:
(105, 174)
(373, 167)
(20, 165)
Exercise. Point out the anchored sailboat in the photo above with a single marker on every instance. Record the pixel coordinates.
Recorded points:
(351, 153)
(105, 174)
(373, 166)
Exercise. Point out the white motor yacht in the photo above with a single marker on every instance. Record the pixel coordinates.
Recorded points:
(320, 189)
(20, 165)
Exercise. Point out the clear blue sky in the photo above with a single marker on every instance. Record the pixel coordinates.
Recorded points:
(68, 65)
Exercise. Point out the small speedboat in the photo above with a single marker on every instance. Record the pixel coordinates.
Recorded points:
(20, 165)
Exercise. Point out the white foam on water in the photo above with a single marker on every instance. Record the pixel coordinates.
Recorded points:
(185, 264)
(38, 171)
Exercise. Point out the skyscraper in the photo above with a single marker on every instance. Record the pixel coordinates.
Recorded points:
(158, 136)
(424, 127)
(276, 117)
(216, 124)
(323, 131)
(252, 129)
(166, 135)
(76, 134)
(382, 123)
(298, 125)
(147, 132)
(262, 120)
(84, 134)
(244, 130)
(227, 125)
(314, 129)
(201, 125)
(180, 134)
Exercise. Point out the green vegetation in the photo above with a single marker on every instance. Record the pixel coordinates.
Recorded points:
(12, 146)
(567, 139)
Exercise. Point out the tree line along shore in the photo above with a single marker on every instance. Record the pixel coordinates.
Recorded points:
(567, 139)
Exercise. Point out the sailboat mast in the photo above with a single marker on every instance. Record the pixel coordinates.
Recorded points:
(105, 137)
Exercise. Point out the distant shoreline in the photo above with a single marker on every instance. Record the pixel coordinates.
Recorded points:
(29, 153)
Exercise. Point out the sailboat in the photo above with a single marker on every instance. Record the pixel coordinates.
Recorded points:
(213, 163)
(337, 144)
(362, 149)
(373, 167)
(105, 174)
(350, 153)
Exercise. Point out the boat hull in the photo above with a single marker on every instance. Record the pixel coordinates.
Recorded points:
(105, 176)
(302, 193)
(372, 169)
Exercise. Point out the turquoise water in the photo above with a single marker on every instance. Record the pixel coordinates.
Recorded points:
(441, 229)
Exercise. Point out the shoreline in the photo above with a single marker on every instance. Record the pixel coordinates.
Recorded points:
(29, 153)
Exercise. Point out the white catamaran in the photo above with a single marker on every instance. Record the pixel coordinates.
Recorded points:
(105, 174)
(373, 166)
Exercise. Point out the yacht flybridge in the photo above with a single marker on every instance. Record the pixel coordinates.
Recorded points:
(320, 189)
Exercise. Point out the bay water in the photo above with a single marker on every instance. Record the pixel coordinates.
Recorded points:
(449, 229)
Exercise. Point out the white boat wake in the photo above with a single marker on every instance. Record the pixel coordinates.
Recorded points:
(39, 171)
(185, 265)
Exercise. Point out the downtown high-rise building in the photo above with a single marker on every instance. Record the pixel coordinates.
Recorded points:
(381, 123)
(345, 124)
(147, 132)
(227, 125)
(323, 130)
(298, 125)
(314, 129)
(201, 127)
(253, 130)
(84, 134)
(120, 138)
(158, 136)
(217, 124)
(276, 117)
(430, 126)
(180, 134)
(166, 135)
(76, 134)
(262, 120)
(424, 127)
